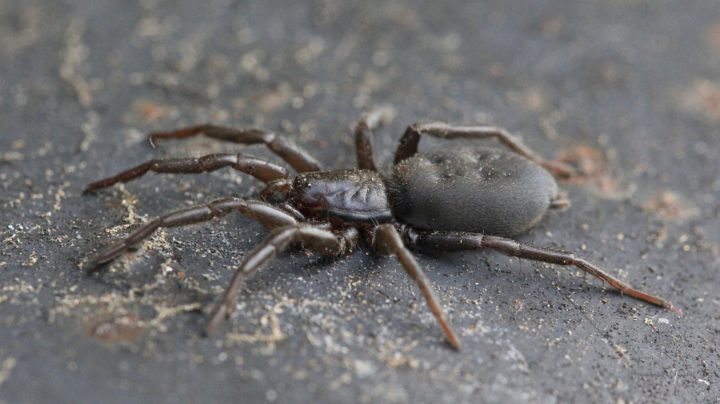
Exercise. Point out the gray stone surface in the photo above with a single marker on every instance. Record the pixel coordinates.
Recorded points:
(627, 89)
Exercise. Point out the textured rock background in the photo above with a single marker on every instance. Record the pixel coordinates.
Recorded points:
(627, 90)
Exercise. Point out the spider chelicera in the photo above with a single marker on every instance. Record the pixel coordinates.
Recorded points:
(451, 199)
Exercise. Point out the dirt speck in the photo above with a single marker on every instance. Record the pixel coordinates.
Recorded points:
(399, 360)
(31, 260)
(6, 368)
(658, 237)
(75, 55)
(533, 99)
(518, 305)
(551, 28)
(702, 98)
(151, 111)
(122, 328)
(591, 166)
(274, 99)
(670, 206)
(712, 36)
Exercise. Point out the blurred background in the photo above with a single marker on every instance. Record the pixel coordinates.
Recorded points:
(627, 91)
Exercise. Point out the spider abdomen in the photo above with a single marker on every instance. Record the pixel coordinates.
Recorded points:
(477, 189)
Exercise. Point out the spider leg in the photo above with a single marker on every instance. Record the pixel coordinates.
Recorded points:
(315, 239)
(266, 214)
(457, 241)
(363, 135)
(560, 201)
(293, 154)
(261, 169)
(388, 238)
(409, 142)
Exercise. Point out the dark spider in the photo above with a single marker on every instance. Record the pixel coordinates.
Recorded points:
(449, 199)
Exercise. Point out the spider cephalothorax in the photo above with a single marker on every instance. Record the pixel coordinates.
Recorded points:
(350, 196)
(449, 199)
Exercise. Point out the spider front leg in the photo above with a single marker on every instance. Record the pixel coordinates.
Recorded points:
(293, 154)
(261, 169)
(409, 143)
(314, 239)
(364, 136)
(458, 241)
(268, 215)
(387, 238)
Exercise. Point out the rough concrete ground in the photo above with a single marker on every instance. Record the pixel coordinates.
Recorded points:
(627, 90)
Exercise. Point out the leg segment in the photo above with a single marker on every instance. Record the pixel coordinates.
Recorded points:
(314, 239)
(266, 214)
(263, 170)
(293, 154)
(363, 136)
(410, 139)
(387, 237)
(457, 241)
(561, 201)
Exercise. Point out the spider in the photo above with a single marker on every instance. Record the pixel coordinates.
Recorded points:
(449, 199)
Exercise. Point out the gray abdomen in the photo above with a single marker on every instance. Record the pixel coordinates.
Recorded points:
(475, 189)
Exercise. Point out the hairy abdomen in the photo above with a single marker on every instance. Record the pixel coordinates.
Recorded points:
(475, 189)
